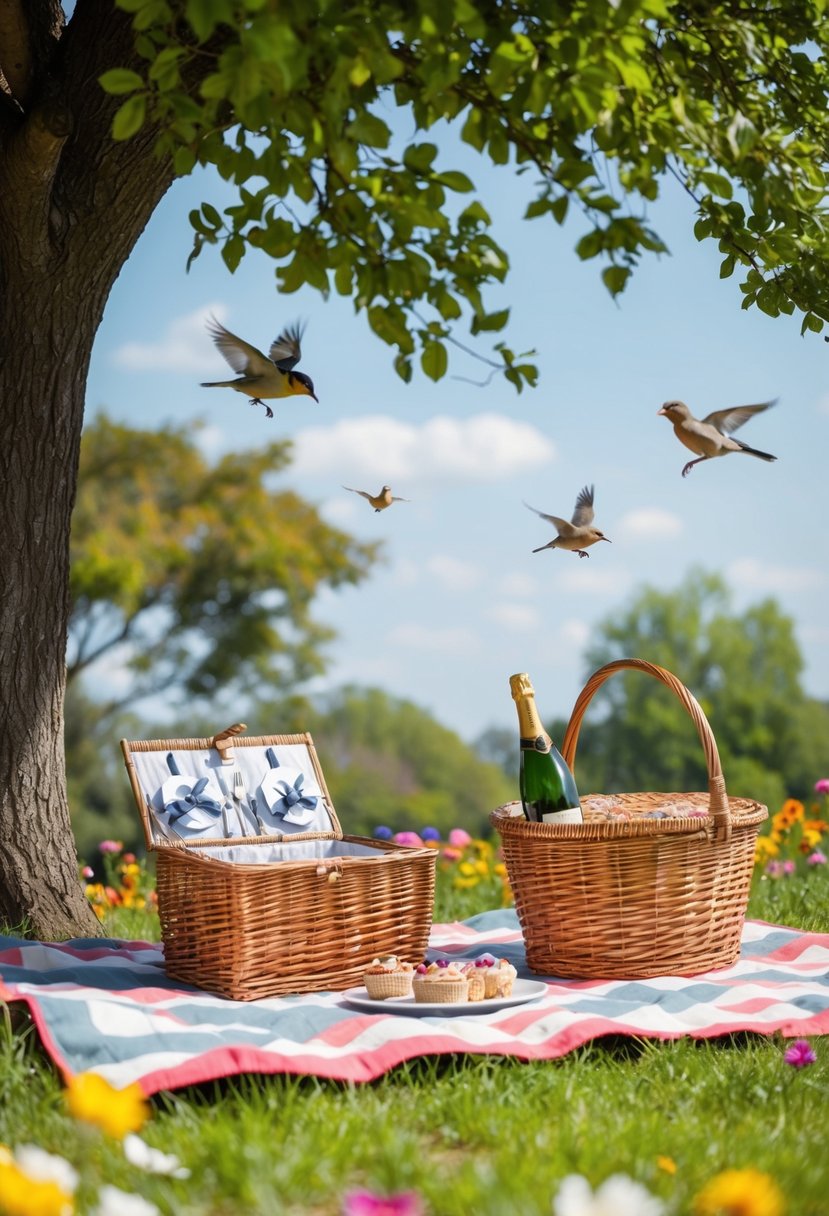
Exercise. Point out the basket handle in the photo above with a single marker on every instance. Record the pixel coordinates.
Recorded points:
(718, 806)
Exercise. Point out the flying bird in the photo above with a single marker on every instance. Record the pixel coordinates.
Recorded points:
(262, 376)
(384, 498)
(579, 534)
(711, 436)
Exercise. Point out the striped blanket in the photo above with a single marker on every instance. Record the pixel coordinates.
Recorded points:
(107, 1006)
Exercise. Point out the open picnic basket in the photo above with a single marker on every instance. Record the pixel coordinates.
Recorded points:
(634, 897)
(289, 904)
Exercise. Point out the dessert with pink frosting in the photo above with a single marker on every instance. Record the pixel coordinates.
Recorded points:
(442, 983)
(388, 977)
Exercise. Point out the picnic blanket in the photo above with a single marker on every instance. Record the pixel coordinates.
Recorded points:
(108, 1006)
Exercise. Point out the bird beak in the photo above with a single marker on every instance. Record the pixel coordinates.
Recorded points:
(607, 538)
(663, 411)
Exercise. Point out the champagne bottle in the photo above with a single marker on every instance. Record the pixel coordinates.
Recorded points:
(548, 788)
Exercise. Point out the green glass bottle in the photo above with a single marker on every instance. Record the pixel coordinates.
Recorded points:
(548, 788)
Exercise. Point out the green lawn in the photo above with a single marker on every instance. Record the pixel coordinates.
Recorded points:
(477, 1135)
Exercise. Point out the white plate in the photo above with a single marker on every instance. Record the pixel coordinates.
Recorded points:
(522, 991)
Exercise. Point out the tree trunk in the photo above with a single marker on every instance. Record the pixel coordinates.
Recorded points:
(72, 206)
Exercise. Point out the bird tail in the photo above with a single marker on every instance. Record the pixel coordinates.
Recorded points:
(753, 451)
(217, 383)
(549, 545)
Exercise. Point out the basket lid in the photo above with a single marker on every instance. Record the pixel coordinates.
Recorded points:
(195, 792)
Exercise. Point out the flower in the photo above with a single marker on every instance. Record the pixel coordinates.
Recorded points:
(110, 846)
(799, 1054)
(30, 1186)
(114, 1202)
(143, 1157)
(618, 1195)
(382, 832)
(459, 837)
(667, 1164)
(430, 834)
(409, 838)
(822, 786)
(816, 859)
(92, 1099)
(366, 1203)
(746, 1192)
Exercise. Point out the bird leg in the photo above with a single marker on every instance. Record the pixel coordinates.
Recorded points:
(691, 464)
(581, 552)
(259, 401)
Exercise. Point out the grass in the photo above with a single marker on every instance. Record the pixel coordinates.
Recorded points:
(482, 1135)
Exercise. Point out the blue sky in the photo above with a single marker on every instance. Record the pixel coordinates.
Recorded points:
(461, 602)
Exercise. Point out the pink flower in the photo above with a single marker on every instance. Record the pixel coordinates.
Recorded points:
(451, 854)
(788, 867)
(459, 837)
(799, 1054)
(822, 786)
(816, 859)
(111, 846)
(774, 869)
(88, 872)
(409, 838)
(366, 1203)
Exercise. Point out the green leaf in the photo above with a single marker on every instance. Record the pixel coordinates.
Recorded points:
(489, 321)
(434, 360)
(120, 80)
(615, 278)
(129, 118)
(370, 130)
(453, 180)
(419, 157)
(403, 367)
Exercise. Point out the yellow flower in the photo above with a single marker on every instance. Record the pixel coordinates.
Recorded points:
(746, 1192)
(21, 1195)
(92, 1099)
(667, 1164)
(764, 849)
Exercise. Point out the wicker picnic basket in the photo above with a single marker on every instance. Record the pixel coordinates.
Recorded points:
(634, 897)
(263, 915)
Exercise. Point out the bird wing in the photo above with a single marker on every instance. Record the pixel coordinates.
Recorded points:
(395, 499)
(562, 525)
(242, 357)
(583, 514)
(727, 421)
(286, 350)
(362, 493)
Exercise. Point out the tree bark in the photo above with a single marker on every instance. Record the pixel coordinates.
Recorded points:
(72, 205)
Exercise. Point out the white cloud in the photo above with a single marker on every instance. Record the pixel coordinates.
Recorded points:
(454, 574)
(185, 347)
(383, 449)
(450, 641)
(574, 632)
(210, 440)
(751, 574)
(519, 617)
(649, 523)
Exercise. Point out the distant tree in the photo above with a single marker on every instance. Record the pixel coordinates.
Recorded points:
(744, 669)
(387, 761)
(177, 567)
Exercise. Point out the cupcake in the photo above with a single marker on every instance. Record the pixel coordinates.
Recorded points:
(441, 983)
(499, 976)
(387, 977)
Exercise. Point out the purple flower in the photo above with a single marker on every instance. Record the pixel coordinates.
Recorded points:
(410, 838)
(430, 834)
(774, 869)
(383, 833)
(111, 846)
(822, 786)
(816, 859)
(366, 1203)
(799, 1054)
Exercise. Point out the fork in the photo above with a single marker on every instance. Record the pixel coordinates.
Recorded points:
(240, 798)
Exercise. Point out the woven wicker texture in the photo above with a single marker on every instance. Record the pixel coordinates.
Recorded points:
(639, 897)
(440, 992)
(248, 931)
(391, 983)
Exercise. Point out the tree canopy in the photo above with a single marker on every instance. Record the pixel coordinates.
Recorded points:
(177, 567)
(319, 115)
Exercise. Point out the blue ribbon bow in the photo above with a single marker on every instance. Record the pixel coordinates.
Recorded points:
(194, 801)
(292, 796)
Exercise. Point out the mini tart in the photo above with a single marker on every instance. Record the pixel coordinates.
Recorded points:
(499, 979)
(388, 977)
(477, 984)
(441, 985)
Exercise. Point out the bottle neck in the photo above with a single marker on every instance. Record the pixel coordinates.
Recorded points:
(533, 736)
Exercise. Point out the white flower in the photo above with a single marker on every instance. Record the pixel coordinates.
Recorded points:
(114, 1202)
(617, 1196)
(143, 1157)
(41, 1166)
